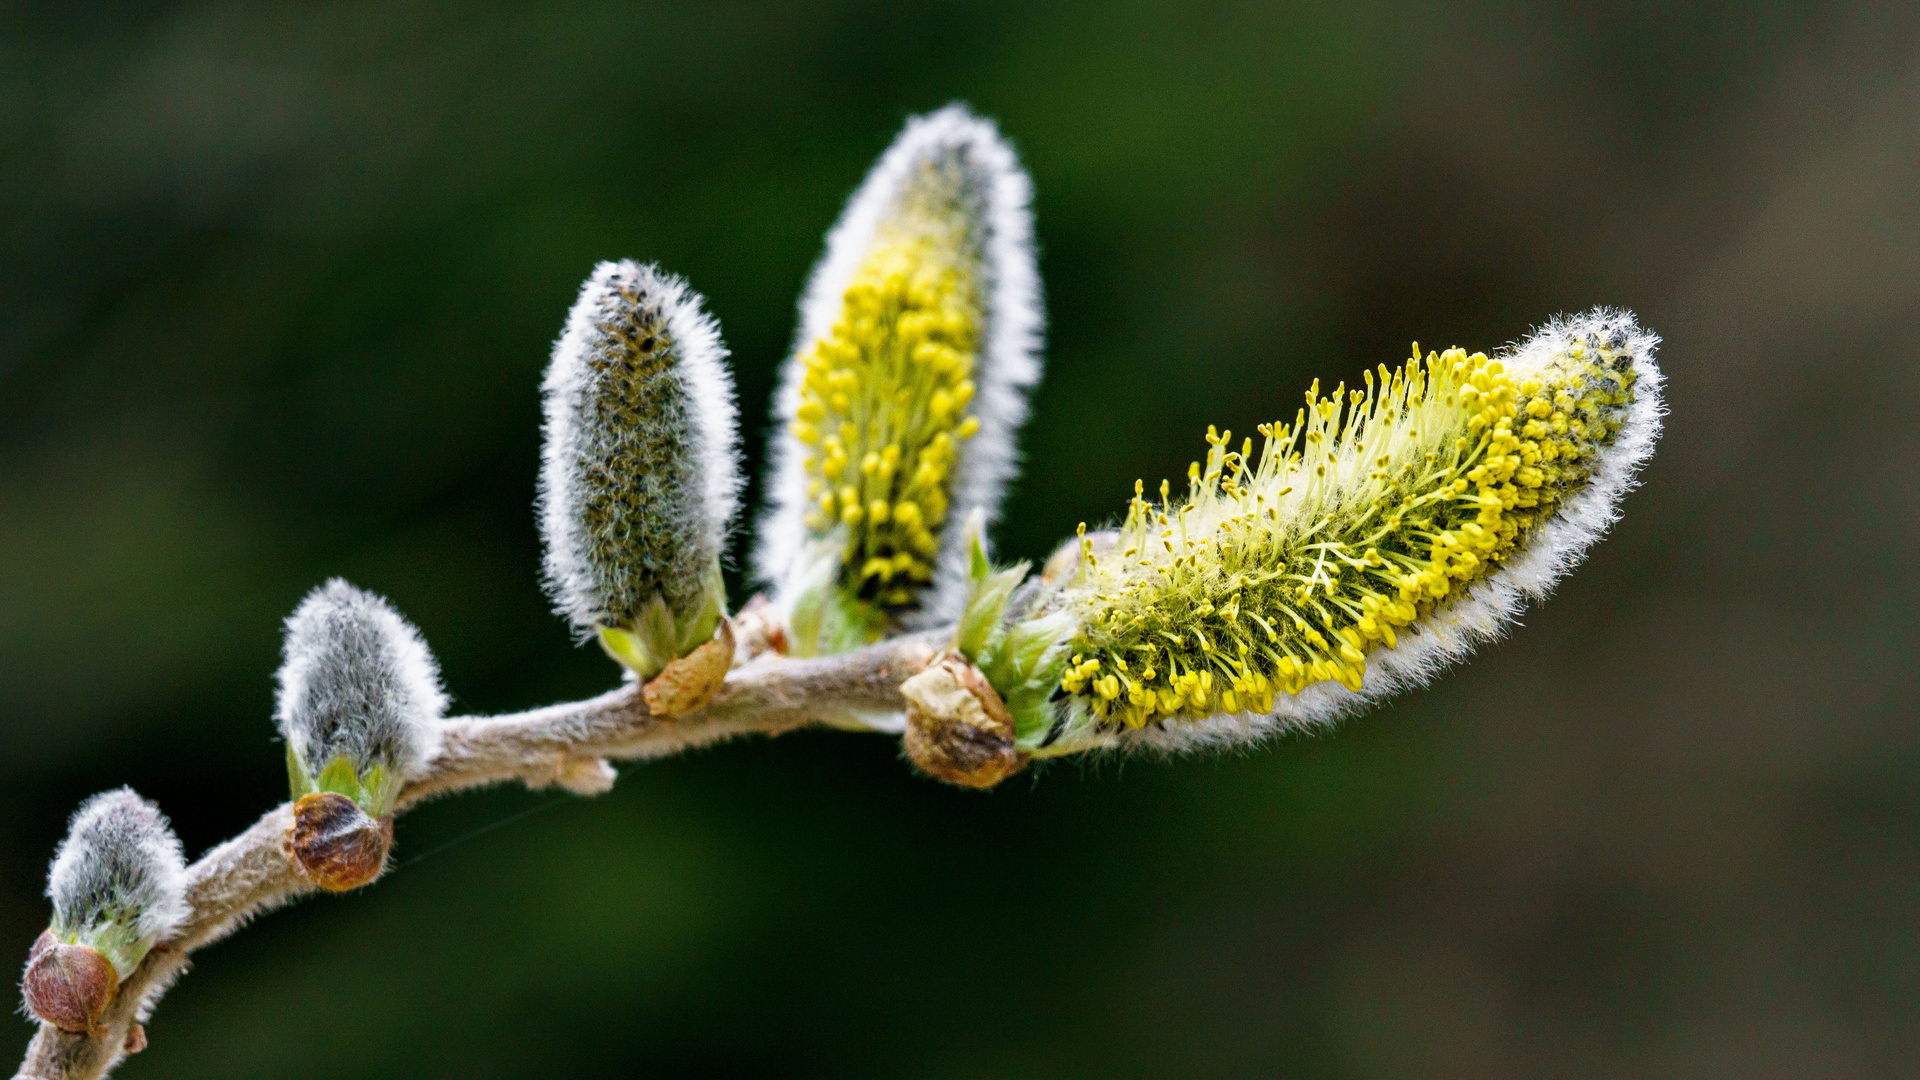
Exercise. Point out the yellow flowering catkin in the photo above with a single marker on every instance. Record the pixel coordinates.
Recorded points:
(884, 401)
(1354, 526)
(919, 338)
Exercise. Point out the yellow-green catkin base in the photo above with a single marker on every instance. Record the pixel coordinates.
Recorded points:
(884, 401)
(1358, 520)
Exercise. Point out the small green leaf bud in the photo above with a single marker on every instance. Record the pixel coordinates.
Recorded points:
(988, 591)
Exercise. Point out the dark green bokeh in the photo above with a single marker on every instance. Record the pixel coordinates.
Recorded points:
(277, 284)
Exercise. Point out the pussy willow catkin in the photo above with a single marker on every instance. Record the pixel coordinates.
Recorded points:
(1357, 546)
(117, 886)
(116, 881)
(360, 699)
(884, 401)
(639, 476)
(919, 337)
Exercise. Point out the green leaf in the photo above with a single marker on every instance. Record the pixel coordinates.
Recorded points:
(338, 776)
(986, 602)
(297, 779)
(978, 567)
(630, 650)
(378, 789)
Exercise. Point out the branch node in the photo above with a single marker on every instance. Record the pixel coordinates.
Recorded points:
(580, 775)
(758, 630)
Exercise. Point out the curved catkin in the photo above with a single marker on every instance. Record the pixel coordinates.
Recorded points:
(118, 880)
(640, 474)
(1374, 540)
(919, 338)
(357, 686)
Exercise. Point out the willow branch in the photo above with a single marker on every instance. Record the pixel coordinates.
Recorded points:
(562, 744)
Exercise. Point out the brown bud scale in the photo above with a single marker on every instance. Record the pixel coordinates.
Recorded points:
(689, 682)
(958, 728)
(68, 986)
(338, 846)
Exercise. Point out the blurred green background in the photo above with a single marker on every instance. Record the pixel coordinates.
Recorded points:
(277, 284)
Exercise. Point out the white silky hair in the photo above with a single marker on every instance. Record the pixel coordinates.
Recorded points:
(694, 414)
(120, 858)
(999, 196)
(1451, 632)
(357, 682)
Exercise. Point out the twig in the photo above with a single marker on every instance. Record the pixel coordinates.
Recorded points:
(562, 744)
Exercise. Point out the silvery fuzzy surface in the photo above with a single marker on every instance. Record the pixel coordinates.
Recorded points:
(640, 474)
(120, 861)
(357, 682)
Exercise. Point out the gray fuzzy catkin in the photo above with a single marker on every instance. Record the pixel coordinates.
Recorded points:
(640, 473)
(120, 862)
(358, 683)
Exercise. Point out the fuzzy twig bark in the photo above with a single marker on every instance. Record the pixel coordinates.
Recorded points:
(562, 744)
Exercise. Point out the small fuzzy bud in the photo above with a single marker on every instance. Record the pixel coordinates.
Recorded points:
(958, 728)
(360, 699)
(640, 475)
(758, 630)
(583, 775)
(118, 887)
(897, 413)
